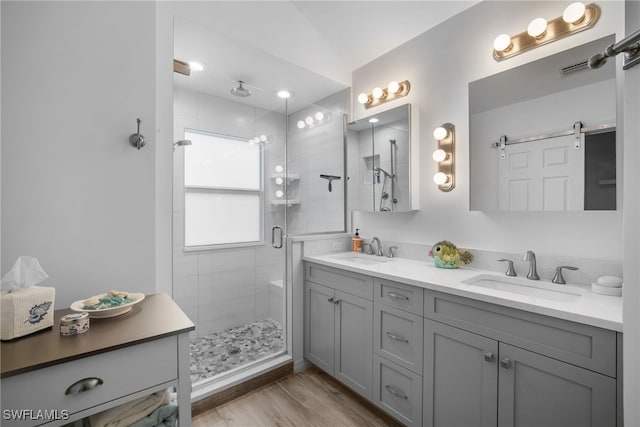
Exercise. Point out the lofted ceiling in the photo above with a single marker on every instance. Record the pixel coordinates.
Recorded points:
(309, 47)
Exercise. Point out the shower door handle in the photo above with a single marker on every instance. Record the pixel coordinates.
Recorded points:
(273, 237)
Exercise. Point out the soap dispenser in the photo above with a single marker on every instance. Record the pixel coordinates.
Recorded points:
(356, 242)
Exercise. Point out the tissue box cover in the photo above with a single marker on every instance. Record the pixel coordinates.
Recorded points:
(26, 310)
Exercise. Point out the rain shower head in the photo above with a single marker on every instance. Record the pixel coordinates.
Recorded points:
(240, 91)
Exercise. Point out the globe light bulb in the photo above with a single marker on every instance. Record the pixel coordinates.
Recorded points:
(502, 43)
(393, 87)
(279, 194)
(574, 13)
(363, 98)
(263, 138)
(300, 124)
(309, 120)
(439, 155)
(279, 181)
(319, 116)
(440, 133)
(537, 27)
(377, 93)
(279, 168)
(440, 178)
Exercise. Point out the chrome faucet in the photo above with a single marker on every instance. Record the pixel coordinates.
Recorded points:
(531, 257)
(559, 278)
(379, 251)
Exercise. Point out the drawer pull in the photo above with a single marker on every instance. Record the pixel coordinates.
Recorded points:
(396, 392)
(337, 301)
(489, 357)
(83, 385)
(505, 363)
(330, 299)
(396, 337)
(398, 296)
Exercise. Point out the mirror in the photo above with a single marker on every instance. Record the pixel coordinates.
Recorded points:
(545, 163)
(380, 161)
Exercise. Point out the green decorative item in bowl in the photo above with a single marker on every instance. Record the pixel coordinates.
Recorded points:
(446, 255)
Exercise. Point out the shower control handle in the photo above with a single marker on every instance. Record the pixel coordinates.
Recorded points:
(273, 237)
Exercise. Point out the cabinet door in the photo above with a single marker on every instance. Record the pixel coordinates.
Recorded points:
(460, 377)
(539, 391)
(354, 342)
(319, 326)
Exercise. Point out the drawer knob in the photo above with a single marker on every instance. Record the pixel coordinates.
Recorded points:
(489, 357)
(397, 393)
(330, 299)
(398, 296)
(396, 337)
(83, 385)
(505, 363)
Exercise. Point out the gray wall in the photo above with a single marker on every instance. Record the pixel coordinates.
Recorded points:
(75, 194)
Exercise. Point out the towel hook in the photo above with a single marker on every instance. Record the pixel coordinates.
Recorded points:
(137, 139)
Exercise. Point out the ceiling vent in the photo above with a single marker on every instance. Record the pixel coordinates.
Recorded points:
(575, 67)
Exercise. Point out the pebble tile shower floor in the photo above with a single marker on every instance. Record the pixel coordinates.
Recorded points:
(233, 347)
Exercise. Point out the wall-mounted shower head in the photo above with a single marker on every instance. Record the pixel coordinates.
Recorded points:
(181, 143)
(240, 91)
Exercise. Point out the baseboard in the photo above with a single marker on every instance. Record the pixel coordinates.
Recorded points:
(231, 393)
(300, 365)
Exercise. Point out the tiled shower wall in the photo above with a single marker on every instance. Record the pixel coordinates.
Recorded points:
(221, 288)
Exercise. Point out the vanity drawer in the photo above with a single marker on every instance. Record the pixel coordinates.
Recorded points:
(582, 345)
(352, 283)
(123, 372)
(397, 391)
(397, 336)
(398, 295)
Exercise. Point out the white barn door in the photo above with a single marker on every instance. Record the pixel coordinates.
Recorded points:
(542, 175)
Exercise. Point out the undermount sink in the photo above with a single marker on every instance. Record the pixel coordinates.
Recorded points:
(531, 288)
(362, 259)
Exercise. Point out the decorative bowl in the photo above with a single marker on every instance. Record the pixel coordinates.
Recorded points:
(107, 312)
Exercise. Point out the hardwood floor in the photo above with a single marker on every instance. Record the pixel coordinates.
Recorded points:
(309, 398)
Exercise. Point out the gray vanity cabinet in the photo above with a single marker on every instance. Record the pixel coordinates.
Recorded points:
(535, 390)
(504, 367)
(339, 326)
(460, 377)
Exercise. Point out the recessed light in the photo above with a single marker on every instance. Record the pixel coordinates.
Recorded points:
(196, 66)
(284, 94)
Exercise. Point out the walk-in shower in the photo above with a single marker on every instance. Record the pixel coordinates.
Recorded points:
(249, 180)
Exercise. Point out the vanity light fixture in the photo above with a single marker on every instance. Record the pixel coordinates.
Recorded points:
(575, 18)
(379, 95)
(444, 156)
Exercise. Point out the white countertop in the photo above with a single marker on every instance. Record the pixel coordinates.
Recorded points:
(588, 308)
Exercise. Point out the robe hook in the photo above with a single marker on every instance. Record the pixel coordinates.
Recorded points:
(137, 139)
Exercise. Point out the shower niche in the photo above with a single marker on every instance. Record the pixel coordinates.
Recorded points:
(383, 163)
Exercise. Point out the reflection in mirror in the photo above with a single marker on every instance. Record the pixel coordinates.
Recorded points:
(379, 161)
(542, 135)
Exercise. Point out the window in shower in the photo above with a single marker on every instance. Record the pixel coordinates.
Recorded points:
(224, 191)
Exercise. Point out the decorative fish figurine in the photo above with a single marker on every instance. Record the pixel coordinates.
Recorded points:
(446, 255)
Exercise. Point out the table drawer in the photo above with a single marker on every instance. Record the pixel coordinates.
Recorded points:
(397, 391)
(582, 345)
(122, 372)
(398, 336)
(398, 295)
(351, 283)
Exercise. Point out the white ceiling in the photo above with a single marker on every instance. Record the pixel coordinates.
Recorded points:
(310, 47)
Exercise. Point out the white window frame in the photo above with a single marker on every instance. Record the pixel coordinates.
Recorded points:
(214, 190)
